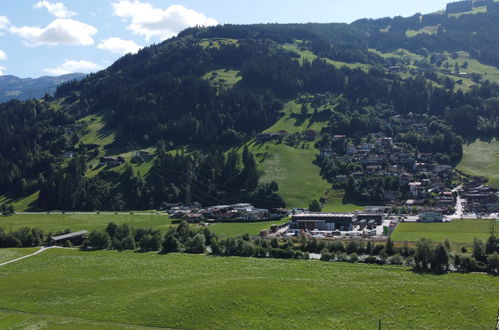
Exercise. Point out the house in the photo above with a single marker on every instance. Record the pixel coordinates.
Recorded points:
(68, 155)
(111, 162)
(416, 189)
(327, 153)
(430, 216)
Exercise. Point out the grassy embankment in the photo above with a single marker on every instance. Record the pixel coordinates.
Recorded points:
(481, 158)
(186, 291)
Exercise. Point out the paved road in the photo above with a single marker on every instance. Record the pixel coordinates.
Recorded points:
(104, 213)
(42, 249)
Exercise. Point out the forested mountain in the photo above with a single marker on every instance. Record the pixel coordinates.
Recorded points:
(12, 87)
(194, 102)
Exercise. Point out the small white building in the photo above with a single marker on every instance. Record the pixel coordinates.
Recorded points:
(430, 216)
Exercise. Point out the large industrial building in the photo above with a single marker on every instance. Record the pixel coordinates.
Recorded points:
(332, 221)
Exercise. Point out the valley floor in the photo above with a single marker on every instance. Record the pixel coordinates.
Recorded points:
(83, 290)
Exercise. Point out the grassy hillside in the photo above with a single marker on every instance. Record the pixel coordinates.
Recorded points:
(481, 158)
(185, 291)
(457, 231)
(292, 168)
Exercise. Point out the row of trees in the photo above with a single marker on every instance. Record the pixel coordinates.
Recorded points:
(425, 257)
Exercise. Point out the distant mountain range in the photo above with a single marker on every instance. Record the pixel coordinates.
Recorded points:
(12, 87)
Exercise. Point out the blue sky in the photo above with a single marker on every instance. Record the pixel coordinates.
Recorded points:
(52, 37)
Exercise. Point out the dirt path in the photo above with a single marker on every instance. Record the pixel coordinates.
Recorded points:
(42, 249)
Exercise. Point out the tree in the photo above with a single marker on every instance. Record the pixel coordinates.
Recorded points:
(478, 250)
(493, 263)
(491, 245)
(315, 206)
(196, 244)
(389, 247)
(440, 260)
(171, 244)
(423, 255)
(98, 240)
(128, 243)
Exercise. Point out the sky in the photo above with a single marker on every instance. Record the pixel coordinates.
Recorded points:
(45, 37)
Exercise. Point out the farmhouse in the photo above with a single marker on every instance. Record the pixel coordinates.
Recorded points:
(75, 238)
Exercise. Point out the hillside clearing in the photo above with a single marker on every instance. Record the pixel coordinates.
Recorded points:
(185, 291)
(481, 158)
(293, 169)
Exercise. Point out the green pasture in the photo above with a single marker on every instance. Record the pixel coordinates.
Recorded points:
(107, 289)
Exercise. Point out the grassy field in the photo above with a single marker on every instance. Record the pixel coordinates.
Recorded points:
(225, 78)
(426, 30)
(194, 292)
(335, 203)
(75, 222)
(293, 122)
(482, 159)
(11, 254)
(310, 56)
(298, 178)
(457, 231)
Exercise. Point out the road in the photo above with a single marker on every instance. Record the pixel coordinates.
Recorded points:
(103, 213)
(42, 249)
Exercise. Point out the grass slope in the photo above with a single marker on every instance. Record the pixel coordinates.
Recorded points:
(293, 169)
(223, 78)
(194, 292)
(11, 254)
(457, 231)
(481, 158)
(310, 56)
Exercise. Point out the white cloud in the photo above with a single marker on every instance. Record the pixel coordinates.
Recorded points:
(57, 9)
(151, 22)
(3, 56)
(119, 46)
(2, 69)
(4, 23)
(72, 66)
(61, 31)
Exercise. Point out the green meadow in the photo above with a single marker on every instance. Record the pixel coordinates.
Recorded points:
(481, 158)
(11, 254)
(85, 290)
(457, 231)
(76, 222)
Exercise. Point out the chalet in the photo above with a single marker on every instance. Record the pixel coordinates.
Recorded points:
(111, 161)
(68, 155)
(144, 156)
(193, 217)
(266, 137)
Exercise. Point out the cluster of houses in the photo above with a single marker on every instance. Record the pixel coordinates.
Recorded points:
(480, 198)
(241, 212)
(418, 172)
